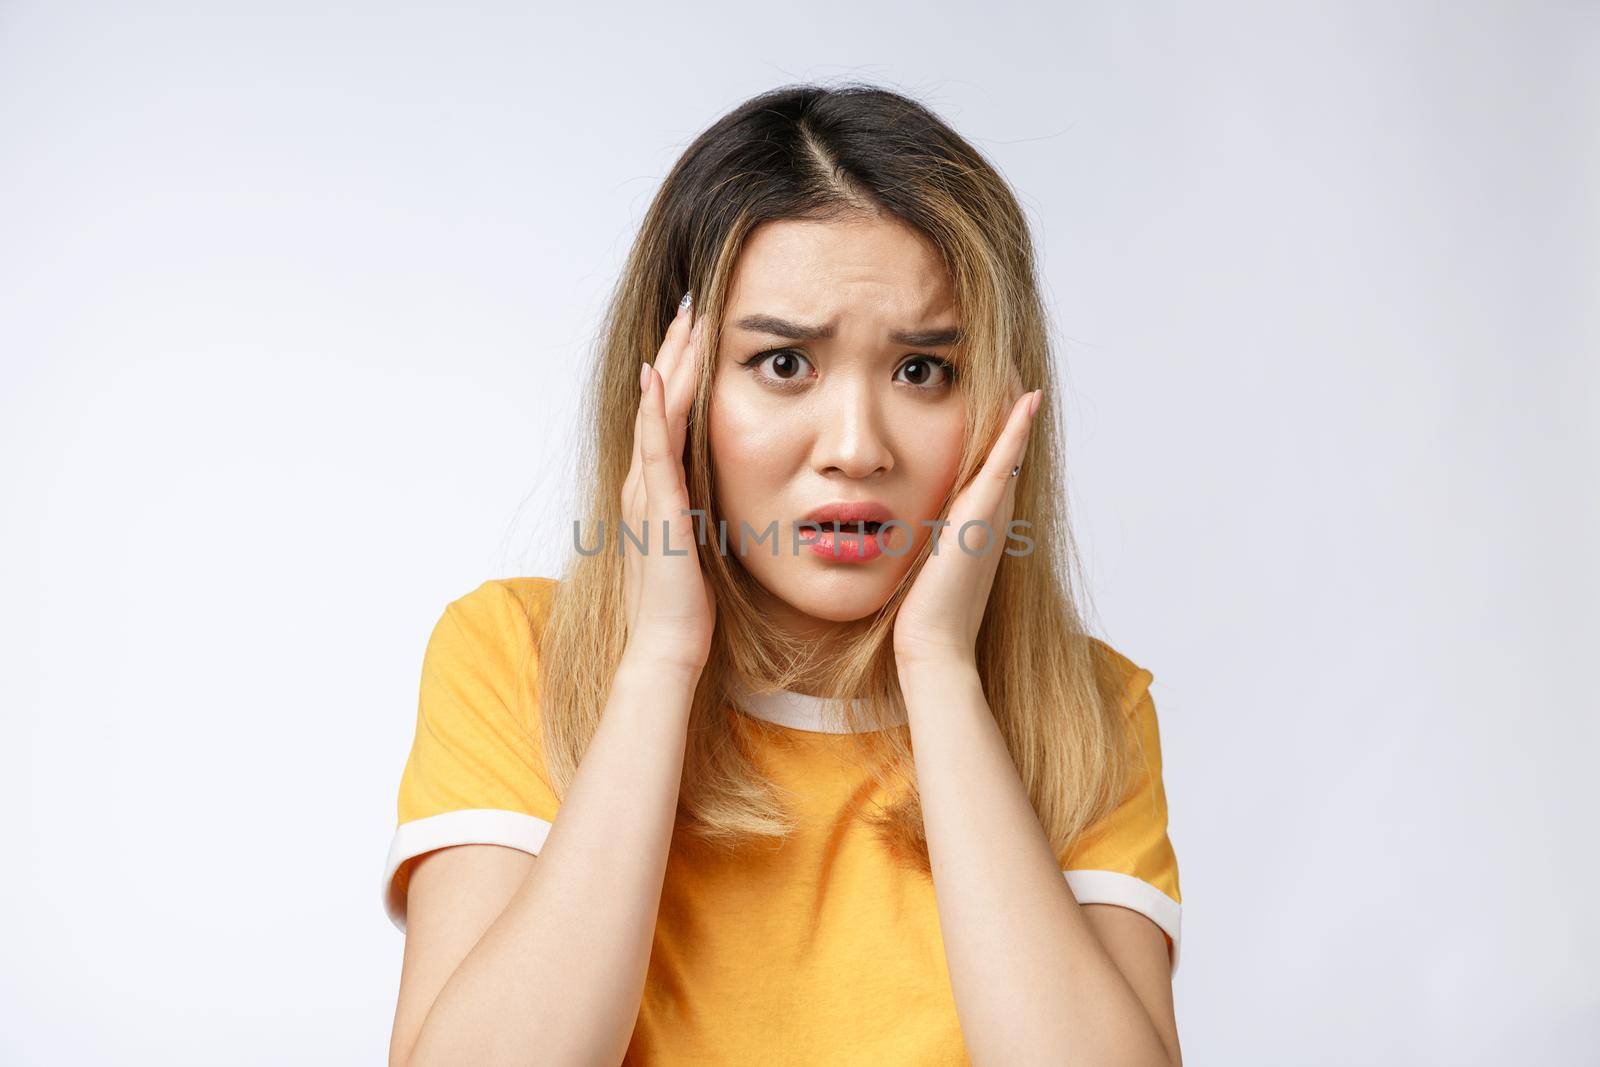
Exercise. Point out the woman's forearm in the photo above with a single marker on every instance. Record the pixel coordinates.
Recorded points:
(1032, 982)
(558, 977)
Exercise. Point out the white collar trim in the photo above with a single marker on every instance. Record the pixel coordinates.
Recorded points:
(798, 711)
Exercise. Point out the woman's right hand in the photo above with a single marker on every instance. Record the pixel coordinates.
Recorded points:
(671, 611)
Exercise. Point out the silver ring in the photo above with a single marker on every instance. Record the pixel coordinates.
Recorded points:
(1014, 470)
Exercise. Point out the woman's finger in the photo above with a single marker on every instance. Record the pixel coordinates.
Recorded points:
(995, 476)
(663, 478)
(671, 343)
(680, 387)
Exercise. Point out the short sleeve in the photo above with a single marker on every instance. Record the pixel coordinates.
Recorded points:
(475, 773)
(1127, 858)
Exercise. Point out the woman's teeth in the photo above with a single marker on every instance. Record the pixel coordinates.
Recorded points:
(855, 526)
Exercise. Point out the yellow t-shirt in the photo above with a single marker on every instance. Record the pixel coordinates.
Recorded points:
(780, 956)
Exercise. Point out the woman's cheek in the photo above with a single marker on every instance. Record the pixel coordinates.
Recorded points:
(751, 454)
(938, 457)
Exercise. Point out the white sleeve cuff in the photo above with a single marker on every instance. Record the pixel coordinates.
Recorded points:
(469, 826)
(515, 829)
(1114, 887)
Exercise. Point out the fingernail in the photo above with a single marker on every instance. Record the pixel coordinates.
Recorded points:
(1033, 405)
(683, 305)
(644, 377)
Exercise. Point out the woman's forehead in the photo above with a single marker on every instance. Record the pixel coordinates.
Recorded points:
(806, 270)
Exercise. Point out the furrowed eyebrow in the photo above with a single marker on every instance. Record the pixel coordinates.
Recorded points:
(794, 331)
(926, 338)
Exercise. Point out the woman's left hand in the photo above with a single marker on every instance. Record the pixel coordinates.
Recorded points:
(939, 619)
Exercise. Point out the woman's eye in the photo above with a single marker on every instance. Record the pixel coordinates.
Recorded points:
(930, 366)
(788, 370)
(786, 366)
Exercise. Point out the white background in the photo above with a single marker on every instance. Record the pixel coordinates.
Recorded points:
(295, 306)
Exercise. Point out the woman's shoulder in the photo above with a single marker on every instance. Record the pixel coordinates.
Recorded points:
(498, 598)
(499, 618)
(533, 593)
(1118, 674)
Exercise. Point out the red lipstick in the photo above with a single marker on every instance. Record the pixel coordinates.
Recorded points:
(856, 538)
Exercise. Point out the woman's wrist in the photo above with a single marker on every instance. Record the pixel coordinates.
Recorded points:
(935, 676)
(665, 670)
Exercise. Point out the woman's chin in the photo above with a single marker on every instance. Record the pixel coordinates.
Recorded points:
(843, 594)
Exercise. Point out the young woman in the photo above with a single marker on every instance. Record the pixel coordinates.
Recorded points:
(818, 780)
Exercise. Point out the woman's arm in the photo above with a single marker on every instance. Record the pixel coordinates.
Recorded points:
(555, 973)
(1033, 982)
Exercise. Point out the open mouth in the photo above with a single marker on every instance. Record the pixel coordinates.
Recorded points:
(856, 541)
(868, 528)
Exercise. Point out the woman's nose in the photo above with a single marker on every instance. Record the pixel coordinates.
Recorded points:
(851, 436)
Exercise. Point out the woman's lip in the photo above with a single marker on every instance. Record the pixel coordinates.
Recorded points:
(848, 546)
(849, 511)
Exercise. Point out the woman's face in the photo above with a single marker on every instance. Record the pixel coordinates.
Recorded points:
(816, 401)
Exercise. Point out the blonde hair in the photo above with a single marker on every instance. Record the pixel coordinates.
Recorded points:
(817, 152)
